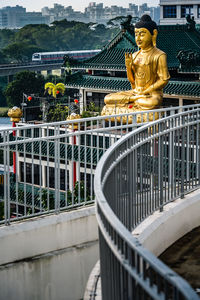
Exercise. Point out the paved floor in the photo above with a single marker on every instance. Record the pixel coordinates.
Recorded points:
(184, 258)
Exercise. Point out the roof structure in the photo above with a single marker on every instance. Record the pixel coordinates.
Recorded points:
(103, 83)
(171, 39)
(189, 70)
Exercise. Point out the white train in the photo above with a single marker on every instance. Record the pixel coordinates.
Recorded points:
(58, 56)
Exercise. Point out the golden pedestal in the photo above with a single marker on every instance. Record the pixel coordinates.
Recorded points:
(142, 117)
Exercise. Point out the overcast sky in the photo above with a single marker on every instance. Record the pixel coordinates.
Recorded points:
(36, 5)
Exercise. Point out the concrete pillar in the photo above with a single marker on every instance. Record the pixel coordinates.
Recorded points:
(81, 100)
(195, 11)
(161, 12)
(180, 101)
(180, 104)
(178, 12)
(84, 98)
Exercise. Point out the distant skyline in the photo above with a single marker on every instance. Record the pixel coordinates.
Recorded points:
(37, 5)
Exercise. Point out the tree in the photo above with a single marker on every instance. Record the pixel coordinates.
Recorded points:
(24, 82)
(20, 51)
(14, 51)
(2, 58)
(6, 37)
(54, 89)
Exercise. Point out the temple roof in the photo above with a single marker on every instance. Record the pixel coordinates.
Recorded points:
(178, 88)
(171, 39)
(189, 70)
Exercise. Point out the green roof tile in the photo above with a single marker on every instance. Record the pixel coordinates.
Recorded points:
(182, 88)
(171, 39)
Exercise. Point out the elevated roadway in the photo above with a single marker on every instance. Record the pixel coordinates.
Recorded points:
(12, 69)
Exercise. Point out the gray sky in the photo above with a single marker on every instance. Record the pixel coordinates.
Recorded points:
(36, 5)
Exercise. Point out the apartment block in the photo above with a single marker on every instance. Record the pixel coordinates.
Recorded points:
(176, 11)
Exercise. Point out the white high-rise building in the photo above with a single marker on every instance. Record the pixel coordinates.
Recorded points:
(176, 11)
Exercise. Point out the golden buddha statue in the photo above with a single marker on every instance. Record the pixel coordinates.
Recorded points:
(146, 70)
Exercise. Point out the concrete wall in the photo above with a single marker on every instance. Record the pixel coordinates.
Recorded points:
(49, 257)
(162, 229)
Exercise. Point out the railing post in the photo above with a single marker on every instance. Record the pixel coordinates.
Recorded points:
(56, 172)
(6, 154)
(160, 166)
(197, 151)
(171, 160)
(183, 170)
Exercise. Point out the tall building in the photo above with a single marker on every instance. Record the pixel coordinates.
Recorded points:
(175, 12)
(16, 17)
(9, 16)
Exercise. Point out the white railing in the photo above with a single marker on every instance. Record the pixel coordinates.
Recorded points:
(145, 170)
(54, 163)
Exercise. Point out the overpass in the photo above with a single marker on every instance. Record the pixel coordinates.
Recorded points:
(12, 69)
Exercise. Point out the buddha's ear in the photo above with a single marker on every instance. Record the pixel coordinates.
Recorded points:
(154, 37)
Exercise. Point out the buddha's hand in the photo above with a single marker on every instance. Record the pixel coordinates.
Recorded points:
(128, 60)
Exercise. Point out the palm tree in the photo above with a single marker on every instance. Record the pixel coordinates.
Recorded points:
(54, 89)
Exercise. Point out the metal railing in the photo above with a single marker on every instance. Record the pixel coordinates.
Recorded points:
(50, 167)
(139, 174)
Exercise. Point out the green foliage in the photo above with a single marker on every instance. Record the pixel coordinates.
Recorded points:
(24, 82)
(79, 189)
(63, 35)
(2, 58)
(3, 84)
(47, 203)
(54, 78)
(21, 196)
(57, 113)
(91, 111)
(93, 108)
(3, 111)
(20, 51)
(6, 37)
(2, 102)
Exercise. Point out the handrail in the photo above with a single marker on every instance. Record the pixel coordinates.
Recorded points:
(135, 177)
(162, 111)
(54, 163)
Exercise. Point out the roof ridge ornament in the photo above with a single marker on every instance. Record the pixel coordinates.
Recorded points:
(190, 22)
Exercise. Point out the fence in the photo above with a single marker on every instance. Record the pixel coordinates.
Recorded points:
(141, 173)
(50, 167)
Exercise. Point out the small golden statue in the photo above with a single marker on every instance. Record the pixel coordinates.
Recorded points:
(15, 114)
(147, 72)
(73, 116)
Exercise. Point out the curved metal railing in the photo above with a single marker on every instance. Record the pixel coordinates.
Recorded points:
(46, 168)
(139, 174)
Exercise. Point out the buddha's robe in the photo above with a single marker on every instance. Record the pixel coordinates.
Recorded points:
(149, 76)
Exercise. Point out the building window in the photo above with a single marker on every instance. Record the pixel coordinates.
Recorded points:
(187, 10)
(50, 178)
(169, 11)
(96, 98)
(32, 172)
(198, 11)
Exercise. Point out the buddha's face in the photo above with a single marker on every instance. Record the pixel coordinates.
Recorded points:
(143, 38)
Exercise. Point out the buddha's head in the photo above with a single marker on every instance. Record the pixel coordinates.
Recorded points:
(146, 32)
